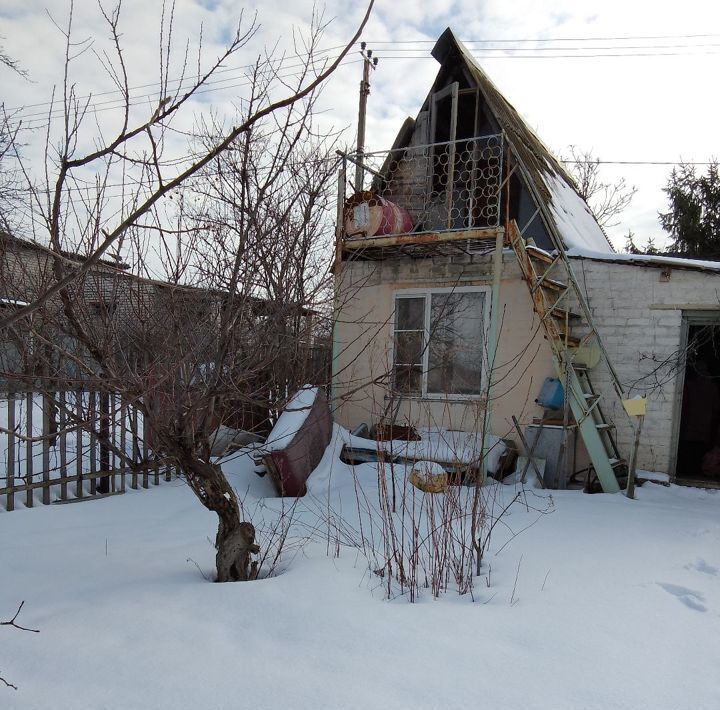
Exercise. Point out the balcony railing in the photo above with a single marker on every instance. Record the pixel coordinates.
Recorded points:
(442, 187)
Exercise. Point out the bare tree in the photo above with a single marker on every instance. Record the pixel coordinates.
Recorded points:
(11, 63)
(607, 200)
(8, 148)
(14, 624)
(211, 338)
(9, 193)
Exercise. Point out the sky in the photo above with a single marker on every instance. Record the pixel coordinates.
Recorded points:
(630, 81)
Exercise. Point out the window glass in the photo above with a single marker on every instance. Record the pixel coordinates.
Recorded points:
(408, 379)
(410, 313)
(455, 353)
(449, 352)
(409, 344)
(409, 348)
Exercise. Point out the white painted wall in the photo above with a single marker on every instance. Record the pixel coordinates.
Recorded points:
(364, 344)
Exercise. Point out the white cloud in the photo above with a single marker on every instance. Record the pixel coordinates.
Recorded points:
(641, 108)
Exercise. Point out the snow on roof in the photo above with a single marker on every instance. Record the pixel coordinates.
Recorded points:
(440, 445)
(645, 259)
(576, 224)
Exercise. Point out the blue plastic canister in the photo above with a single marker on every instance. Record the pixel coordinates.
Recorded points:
(551, 394)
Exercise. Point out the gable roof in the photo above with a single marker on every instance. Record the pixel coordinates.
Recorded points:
(564, 212)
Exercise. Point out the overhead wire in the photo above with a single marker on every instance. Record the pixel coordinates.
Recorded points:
(591, 38)
(219, 70)
(119, 103)
(394, 49)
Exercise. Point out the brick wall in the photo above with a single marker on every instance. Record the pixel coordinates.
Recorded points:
(638, 313)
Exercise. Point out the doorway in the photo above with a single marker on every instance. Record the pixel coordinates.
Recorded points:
(698, 452)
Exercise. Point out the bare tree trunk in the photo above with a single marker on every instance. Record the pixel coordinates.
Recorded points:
(235, 539)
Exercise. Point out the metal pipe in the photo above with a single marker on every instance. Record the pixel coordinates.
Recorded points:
(342, 177)
(492, 342)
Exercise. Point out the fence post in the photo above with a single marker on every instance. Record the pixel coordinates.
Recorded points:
(63, 444)
(135, 446)
(46, 430)
(145, 455)
(79, 444)
(104, 429)
(92, 421)
(123, 441)
(10, 505)
(29, 490)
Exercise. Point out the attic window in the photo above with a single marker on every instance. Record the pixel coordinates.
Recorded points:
(439, 339)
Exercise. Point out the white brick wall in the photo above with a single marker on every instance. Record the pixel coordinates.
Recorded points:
(642, 336)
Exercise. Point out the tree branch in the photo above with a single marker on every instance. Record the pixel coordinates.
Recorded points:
(112, 236)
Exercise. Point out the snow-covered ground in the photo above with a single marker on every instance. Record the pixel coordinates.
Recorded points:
(601, 602)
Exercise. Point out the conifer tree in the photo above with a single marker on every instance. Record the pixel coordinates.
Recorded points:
(693, 218)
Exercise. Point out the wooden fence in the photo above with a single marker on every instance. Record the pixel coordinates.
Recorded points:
(75, 440)
(71, 444)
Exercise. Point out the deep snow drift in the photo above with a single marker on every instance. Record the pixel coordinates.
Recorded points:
(601, 603)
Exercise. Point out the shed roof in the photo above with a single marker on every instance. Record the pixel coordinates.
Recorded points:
(649, 260)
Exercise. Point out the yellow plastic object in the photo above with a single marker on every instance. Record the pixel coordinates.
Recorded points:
(429, 477)
(635, 407)
(587, 355)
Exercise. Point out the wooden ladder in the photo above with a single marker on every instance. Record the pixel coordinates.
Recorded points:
(575, 357)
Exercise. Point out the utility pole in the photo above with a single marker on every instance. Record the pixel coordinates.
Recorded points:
(368, 63)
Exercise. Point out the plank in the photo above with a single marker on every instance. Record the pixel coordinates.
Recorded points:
(10, 501)
(46, 412)
(30, 405)
(63, 445)
(79, 444)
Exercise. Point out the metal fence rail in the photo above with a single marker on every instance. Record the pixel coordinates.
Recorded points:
(429, 188)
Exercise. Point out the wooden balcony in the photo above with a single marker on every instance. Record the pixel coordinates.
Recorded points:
(421, 245)
(422, 200)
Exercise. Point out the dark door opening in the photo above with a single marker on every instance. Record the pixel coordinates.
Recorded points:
(698, 456)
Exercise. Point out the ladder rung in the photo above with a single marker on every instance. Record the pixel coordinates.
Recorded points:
(615, 463)
(539, 254)
(551, 284)
(604, 426)
(589, 397)
(561, 314)
(571, 340)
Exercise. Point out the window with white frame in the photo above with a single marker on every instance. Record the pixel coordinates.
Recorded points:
(439, 342)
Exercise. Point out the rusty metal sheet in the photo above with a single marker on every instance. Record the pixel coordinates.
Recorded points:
(289, 468)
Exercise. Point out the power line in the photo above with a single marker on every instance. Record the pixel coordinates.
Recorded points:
(137, 184)
(119, 103)
(575, 49)
(637, 162)
(115, 104)
(176, 80)
(616, 38)
(212, 86)
(562, 56)
(327, 50)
